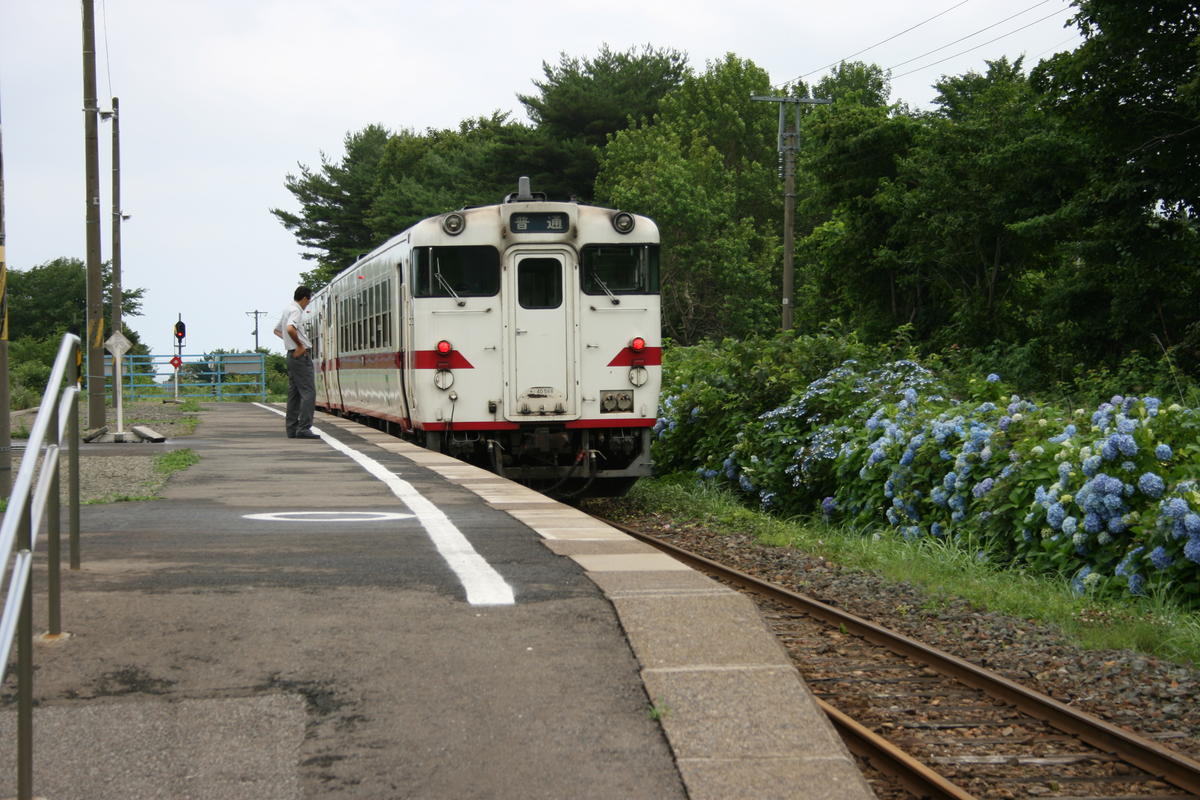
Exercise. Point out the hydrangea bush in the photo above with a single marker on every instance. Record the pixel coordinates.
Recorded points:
(1107, 497)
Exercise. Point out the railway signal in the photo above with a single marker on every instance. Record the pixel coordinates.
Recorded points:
(180, 332)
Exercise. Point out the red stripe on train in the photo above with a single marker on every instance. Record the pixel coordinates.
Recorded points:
(650, 357)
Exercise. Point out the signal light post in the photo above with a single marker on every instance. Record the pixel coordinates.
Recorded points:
(177, 361)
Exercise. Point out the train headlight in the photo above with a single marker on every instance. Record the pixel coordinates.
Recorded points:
(623, 222)
(443, 379)
(453, 224)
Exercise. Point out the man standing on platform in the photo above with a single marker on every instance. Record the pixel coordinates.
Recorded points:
(302, 387)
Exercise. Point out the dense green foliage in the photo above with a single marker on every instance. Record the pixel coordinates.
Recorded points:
(44, 302)
(1039, 217)
(1106, 495)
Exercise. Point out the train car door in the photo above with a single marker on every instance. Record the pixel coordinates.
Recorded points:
(541, 334)
(407, 347)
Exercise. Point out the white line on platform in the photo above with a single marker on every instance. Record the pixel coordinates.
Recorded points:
(483, 584)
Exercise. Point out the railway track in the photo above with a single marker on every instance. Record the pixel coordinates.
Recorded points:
(933, 725)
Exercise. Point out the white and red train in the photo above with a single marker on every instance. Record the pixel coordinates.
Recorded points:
(523, 336)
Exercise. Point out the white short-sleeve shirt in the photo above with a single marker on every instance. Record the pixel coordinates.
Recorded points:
(292, 315)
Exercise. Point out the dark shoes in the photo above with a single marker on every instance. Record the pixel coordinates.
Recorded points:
(306, 435)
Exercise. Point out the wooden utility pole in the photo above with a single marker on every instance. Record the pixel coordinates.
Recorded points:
(789, 144)
(91, 149)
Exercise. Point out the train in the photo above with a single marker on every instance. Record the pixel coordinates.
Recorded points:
(524, 337)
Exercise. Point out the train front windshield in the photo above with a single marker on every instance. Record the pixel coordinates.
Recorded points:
(468, 271)
(620, 268)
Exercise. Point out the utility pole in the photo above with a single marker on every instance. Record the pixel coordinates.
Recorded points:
(789, 144)
(5, 413)
(115, 296)
(91, 147)
(256, 314)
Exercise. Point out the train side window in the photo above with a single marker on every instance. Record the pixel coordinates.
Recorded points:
(539, 283)
(467, 271)
(620, 269)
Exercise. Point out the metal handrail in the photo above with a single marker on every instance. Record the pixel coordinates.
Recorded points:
(28, 504)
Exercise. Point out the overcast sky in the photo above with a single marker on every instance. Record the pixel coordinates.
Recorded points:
(221, 99)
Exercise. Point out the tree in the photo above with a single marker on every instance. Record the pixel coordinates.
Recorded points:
(1132, 91)
(705, 170)
(335, 203)
(975, 204)
(50, 299)
(594, 98)
(850, 150)
(581, 103)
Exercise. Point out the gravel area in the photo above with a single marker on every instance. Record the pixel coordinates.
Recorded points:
(107, 477)
(1135, 691)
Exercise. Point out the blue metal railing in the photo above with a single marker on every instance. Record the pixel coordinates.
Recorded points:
(35, 496)
(212, 376)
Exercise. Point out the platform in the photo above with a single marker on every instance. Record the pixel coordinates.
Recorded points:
(363, 618)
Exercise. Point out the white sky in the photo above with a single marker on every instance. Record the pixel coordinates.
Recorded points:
(221, 99)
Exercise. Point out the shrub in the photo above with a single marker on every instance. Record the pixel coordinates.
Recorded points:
(1104, 497)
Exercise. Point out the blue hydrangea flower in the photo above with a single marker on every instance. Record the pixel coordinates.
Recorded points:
(1191, 523)
(1163, 452)
(1137, 584)
(1077, 583)
(1160, 558)
(993, 378)
(1070, 525)
(1091, 465)
(746, 484)
(1191, 550)
(1151, 485)
(983, 487)
(828, 506)
(1175, 508)
(1055, 516)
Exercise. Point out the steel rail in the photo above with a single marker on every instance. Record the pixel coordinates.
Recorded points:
(915, 776)
(1169, 765)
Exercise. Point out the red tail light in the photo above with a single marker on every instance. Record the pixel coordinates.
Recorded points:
(638, 344)
(444, 347)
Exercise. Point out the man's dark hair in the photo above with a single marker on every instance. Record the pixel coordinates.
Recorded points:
(301, 293)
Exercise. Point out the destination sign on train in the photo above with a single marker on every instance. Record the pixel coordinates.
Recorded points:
(539, 222)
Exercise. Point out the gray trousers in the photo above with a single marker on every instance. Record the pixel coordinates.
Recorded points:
(302, 393)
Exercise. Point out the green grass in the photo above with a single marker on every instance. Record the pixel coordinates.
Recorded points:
(175, 461)
(165, 465)
(1153, 625)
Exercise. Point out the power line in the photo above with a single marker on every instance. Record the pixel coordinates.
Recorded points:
(107, 60)
(976, 47)
(969, 35)
(877, 44)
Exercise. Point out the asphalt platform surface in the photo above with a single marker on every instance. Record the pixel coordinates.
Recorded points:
(345, 618)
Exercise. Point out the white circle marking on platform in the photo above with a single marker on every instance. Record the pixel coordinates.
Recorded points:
(327, 516)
